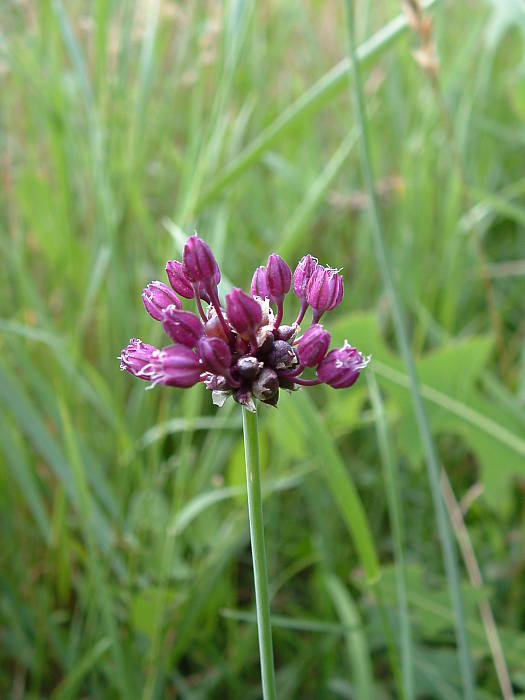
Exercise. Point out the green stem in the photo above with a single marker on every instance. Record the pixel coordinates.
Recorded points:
(431, 457)
(391, 480)
(260, 573)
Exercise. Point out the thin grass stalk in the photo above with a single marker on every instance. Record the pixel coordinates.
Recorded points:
(320, 93)
(426, 58)
(474, 573)
(391, 479)
(431, 458)
(260, 572)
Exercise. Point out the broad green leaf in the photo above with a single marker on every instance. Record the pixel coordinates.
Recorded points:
(449, 378)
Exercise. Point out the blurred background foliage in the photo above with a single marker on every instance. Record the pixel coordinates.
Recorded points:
(125, 563)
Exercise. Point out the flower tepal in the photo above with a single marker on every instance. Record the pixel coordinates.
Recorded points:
(243, 349)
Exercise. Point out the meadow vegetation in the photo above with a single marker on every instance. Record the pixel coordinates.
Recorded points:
(125, 567)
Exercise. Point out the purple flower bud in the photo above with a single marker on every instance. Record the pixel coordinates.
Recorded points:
(324, 291)
(302, 274)
(279, 277)
(198, 262)
(341, 368)
(281, 355)
(178, 280)
(176, 365)
(215, 355)
(244, 312)
(136, 358)
(338, 293)
(182, 326)
(259, 287)
(156, 297)
(313, 345)
(266, 385)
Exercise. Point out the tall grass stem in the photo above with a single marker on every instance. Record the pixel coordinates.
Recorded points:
(260, 572)
(391, 480)
(431, 457)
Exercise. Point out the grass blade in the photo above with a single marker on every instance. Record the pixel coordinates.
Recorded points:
(391, 479)
(313, 197)
(25, 477)
(356, 644)
(308, 421)
(431, 457)
(321, 92)
(69, 686)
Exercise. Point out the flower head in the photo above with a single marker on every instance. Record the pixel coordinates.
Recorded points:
(243, 350)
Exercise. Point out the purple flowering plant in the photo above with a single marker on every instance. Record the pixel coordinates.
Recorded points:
(243, 349)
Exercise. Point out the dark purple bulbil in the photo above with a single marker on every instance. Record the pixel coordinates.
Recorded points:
(242, 350)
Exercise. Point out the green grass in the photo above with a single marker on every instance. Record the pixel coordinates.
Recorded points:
(125, 567)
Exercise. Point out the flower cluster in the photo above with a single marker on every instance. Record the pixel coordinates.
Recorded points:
(243, 350)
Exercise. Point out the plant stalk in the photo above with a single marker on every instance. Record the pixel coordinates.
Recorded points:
(260, 572)
(429, 448)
